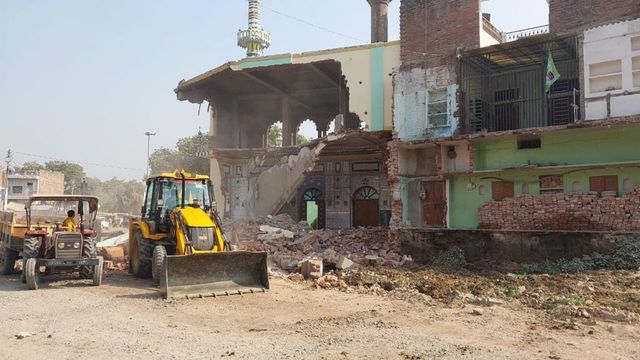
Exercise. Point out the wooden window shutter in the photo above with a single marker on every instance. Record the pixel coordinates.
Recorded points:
(603, 183)
(501, 190)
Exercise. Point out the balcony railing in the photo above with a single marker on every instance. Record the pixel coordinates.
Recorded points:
(504, 86)
(490, 29)
(519, 34)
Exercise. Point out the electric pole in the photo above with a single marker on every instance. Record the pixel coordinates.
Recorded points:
(6, 182)
(149, 135)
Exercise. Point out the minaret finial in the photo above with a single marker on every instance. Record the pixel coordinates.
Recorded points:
(254, 39)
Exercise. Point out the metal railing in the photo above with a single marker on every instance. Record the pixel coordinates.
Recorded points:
(490, 29)
(516, 99)
(519, 34)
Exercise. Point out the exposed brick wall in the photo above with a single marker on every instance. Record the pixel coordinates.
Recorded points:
(573, 212)
(573, 16)
(391, 164)
(412, 31)
(437, 28)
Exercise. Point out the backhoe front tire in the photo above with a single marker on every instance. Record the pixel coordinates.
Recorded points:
(89, 251)
(141, 258)
(157, 262)
(8, 260)
(32, 273)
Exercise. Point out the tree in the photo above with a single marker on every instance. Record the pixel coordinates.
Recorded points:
(301, 139)
(194, 153)
(73, 175)
(117, 195)
(30, 167)
(274, 137)
(190, 154)
(163, 160)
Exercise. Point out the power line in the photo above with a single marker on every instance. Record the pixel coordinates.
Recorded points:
(77, 162)
(320, 27)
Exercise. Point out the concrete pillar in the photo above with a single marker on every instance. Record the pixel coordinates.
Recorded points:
(287, 126)
(235, 122)
(379, 20)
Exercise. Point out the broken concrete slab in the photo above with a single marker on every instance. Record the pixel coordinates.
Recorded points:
(373, 260)
(304, 243)
(311, 268)
(271, 230)
(344, 263)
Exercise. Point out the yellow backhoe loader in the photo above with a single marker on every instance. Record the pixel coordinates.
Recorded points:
(179, 243)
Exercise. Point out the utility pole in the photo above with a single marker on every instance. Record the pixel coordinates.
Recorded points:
(83, 187)
(6, 181)
(149, 135)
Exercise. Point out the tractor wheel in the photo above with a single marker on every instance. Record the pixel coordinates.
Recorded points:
(88, 251)
(8, 260)
(157, 262)
(141, 257)
(29, 251)
(31, 273)
(97, 272)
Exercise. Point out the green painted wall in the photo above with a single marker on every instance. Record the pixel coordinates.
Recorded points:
(312, 214)
(377, 89)
(570, 147)
(464, 203)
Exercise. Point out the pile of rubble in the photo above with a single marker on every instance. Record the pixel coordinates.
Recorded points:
(115, 252)
(292, 245)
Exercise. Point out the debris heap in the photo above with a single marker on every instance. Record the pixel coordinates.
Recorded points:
(289, 243)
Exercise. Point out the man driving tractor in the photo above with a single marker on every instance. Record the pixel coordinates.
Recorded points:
(69, 223)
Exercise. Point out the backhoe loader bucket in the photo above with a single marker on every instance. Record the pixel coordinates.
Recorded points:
(214, 274)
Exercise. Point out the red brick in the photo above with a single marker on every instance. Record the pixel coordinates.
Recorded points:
(431, 31)
(574, 16)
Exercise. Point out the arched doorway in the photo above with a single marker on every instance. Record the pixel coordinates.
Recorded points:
(312, 209)
(366, 207)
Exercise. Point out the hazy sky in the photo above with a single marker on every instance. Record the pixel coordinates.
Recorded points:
(82, 80)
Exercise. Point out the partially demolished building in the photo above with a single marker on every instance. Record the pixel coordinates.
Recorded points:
(532, 130)
(500, 137)
(339, 177)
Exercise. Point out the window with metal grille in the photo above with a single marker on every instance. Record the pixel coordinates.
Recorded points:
(507, 109)
(550, 184)
(529, 142)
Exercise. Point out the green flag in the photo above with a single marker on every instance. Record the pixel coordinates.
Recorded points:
(552, 74)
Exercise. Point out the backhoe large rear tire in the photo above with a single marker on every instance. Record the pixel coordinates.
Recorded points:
(141, 258)
(8, 259)
(157, 262)
(89, 251)
(32, 273)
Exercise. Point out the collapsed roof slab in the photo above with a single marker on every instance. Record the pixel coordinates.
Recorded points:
(308, 78)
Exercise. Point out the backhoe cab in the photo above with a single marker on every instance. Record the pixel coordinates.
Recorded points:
(179, 243)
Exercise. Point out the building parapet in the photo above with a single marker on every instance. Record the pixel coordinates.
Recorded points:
(519, 34)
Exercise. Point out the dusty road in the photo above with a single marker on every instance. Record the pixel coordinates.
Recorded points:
(125, 318)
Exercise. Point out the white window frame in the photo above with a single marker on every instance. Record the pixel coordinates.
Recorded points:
(444, 101)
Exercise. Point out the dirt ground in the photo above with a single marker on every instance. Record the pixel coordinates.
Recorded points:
(126, 318)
